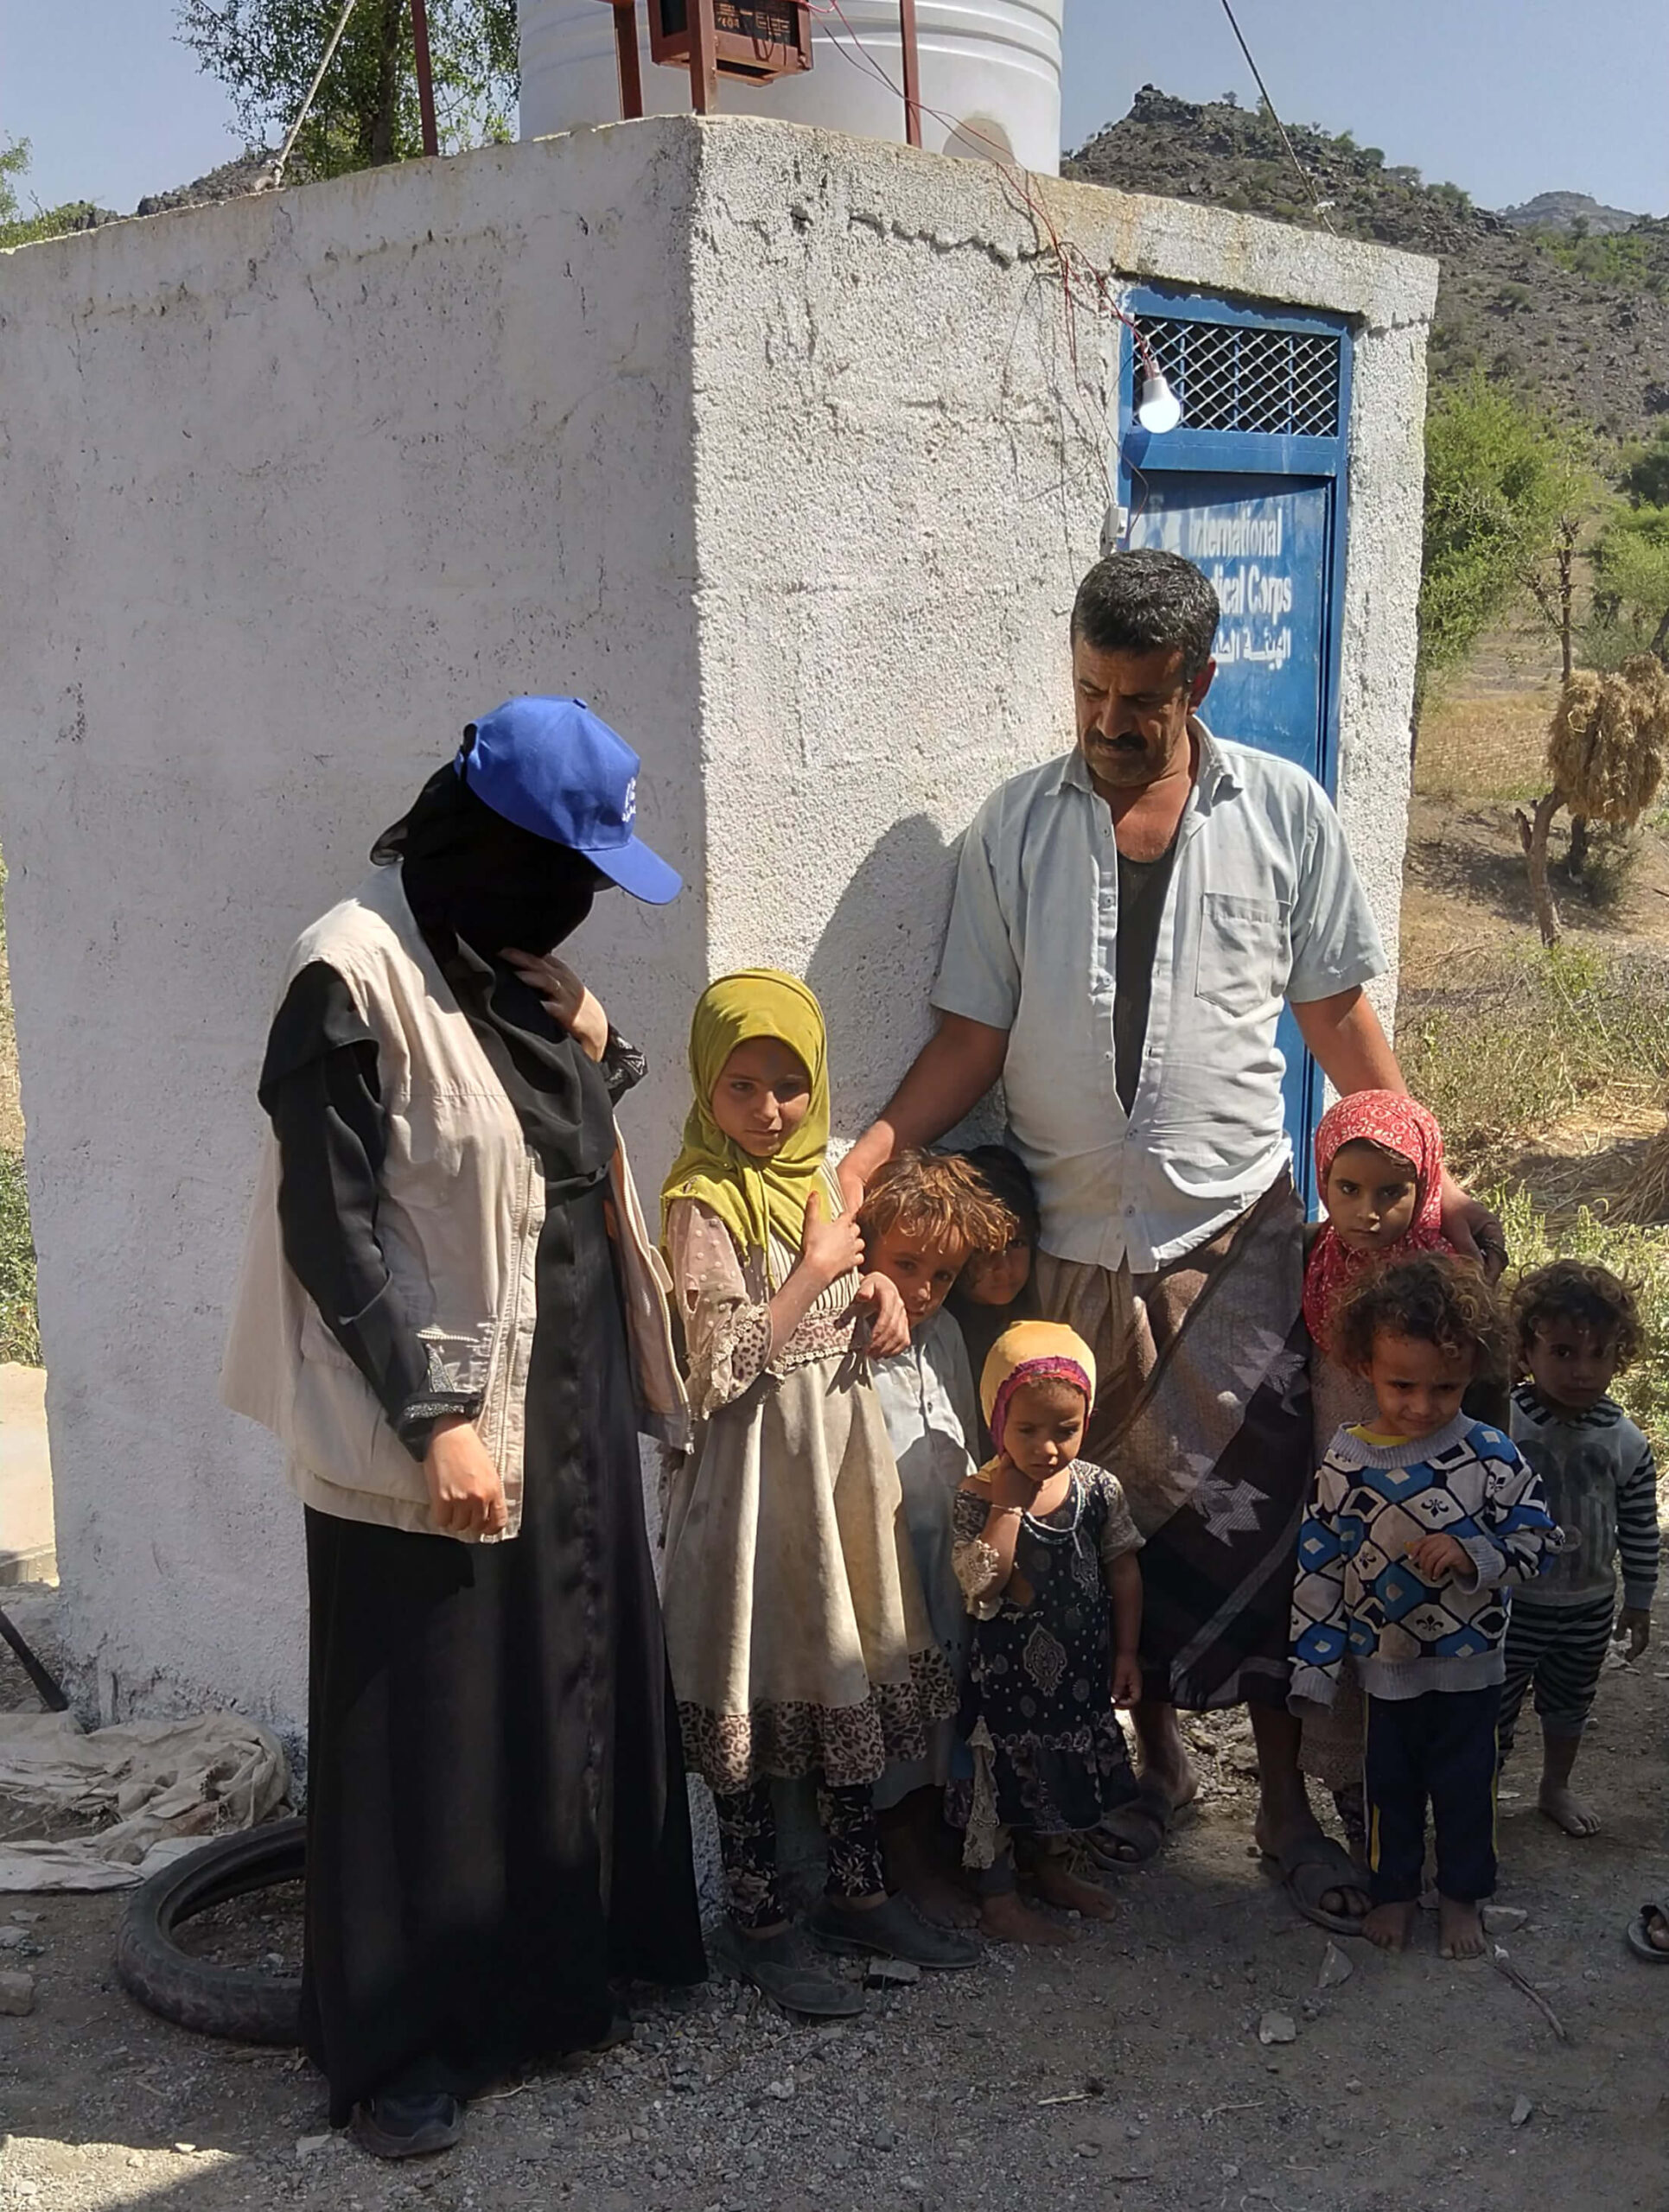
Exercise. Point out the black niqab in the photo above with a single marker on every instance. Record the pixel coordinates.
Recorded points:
(479, 886)
(469, 872)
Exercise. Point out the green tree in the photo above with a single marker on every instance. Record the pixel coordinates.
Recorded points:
(14, 167)
(1645, 477)
(1631, 587)
(1499, 477)
(18, 229)
(265, 52)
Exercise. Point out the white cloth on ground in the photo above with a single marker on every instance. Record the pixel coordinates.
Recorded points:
(163, 1787)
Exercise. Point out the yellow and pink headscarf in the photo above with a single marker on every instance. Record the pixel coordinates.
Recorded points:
(1032, 1351)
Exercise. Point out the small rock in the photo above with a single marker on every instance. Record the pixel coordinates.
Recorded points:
(784, 2089)
(1277, 2027)
(27, 1919)
(1522, 2109)
(1353, 2087)
(185, 2149)
(909, 2186)
(1503, 1919)
(13, 1939)
(1335, 1968)
(891, 1973)
(307, 2144)
(16, 1992)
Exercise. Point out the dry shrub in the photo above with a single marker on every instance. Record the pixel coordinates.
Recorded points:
(1606, 748)
(1491, 744)
(1645, 1197)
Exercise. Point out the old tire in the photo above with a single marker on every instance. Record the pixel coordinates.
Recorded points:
(235, 2002)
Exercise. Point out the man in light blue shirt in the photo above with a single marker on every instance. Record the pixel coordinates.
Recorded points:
(1126, 926)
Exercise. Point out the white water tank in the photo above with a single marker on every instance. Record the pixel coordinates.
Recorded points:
(990, 68)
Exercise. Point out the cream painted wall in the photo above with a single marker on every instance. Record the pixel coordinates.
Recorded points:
(767, 441)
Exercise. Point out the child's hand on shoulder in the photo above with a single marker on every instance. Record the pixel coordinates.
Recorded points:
(1636, 1623)
(829, 1249)
(889, 1324)
(1440, 1558)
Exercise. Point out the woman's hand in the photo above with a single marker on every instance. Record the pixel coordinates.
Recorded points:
(829, 1249)
(1126, 1680)
(566, 998)
(465, 1492)
(889, 1324)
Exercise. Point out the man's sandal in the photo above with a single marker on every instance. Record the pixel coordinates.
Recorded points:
(1310, 1868)
(1640, 1940)
(1131, 1835)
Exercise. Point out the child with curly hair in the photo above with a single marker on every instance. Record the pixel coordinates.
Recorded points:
(926, 1215)
(996, 1289)
(1575, 1326)
(1417, 1524)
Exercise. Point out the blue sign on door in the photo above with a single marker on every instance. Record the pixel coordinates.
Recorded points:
(1267, 543)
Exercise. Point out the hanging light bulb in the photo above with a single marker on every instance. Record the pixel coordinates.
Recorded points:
(1159, 409)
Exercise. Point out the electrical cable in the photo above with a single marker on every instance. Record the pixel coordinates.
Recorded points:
(1073, 298)
(1309, 181)
(288, 148)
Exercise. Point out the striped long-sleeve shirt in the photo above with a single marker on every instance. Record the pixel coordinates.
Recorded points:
(1601, 1487)
(1356, 1590)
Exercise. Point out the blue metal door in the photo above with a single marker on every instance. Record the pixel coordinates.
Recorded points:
(1249, 488)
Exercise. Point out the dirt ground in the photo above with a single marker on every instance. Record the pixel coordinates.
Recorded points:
(1124, 2072)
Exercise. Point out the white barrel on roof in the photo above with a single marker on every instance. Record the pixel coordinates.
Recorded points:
(991, 70)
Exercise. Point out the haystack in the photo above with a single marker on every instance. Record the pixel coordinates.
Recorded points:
(1605, 751)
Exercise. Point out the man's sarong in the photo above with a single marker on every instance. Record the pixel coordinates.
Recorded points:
(1203, 1413)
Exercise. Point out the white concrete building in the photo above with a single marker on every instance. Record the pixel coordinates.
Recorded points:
(782, 449)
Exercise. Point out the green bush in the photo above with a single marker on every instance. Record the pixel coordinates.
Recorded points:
(1499, 1052)
(19, 1334)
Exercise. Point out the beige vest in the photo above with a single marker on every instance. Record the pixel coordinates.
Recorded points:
(461, 1205)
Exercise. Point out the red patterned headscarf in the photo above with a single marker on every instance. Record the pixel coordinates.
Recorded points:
(1396, 1123)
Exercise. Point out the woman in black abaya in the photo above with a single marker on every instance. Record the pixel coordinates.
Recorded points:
(497, 1823)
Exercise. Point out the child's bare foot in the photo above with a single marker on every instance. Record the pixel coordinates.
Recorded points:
(1460, 1931)
(1008, 1919)
(1057, 1884)
(1568, 1811)
(1390, 1926)
(938, 1898)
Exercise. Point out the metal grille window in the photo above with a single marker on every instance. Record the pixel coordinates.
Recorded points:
(1231, 376)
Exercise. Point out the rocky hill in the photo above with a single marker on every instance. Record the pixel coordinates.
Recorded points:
(1577, 212)
(1579, 322)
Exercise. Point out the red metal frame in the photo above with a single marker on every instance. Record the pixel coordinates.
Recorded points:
(625, 57)
(431, 142)
(912, 54)
(715, 42)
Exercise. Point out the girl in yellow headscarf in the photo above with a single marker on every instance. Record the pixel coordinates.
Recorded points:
(1045, 1550)
(799, 1640)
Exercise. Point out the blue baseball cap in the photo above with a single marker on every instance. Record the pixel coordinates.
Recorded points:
(553, 767)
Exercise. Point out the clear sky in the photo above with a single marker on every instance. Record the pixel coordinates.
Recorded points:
(1507, 97)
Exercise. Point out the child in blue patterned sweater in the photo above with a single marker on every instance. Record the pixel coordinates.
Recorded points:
(1417, 1526)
